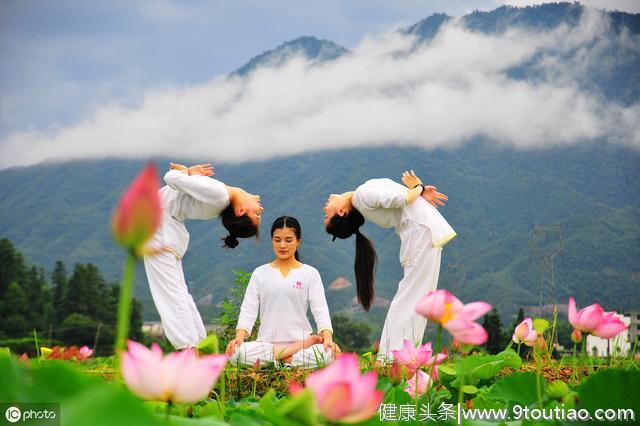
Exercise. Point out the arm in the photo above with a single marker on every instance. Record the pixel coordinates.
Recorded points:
(320, 311)
(417, 189)
(198, 186)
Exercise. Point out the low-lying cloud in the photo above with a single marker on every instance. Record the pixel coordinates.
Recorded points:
(386, 91)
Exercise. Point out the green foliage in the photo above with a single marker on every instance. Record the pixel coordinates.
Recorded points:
(76, 310)
(350, 334)
(612, 388)
(230, 307)
(517, 388)
(493, 325)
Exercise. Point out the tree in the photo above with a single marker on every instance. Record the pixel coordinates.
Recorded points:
(60, 283)
(15, 312)
(11, 266)
(351, 335)
(493, 325)
(78, 329)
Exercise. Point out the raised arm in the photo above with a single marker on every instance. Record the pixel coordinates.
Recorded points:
(417, 189)
(195, 181)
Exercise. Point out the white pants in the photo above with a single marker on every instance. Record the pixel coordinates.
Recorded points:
(181, 320)
(247, 353)
(421, 263)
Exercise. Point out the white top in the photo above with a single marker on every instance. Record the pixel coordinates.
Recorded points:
(186, 197)
(384, 202)
(283, 303)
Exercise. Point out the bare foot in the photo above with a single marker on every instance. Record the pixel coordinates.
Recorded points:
(314, 339)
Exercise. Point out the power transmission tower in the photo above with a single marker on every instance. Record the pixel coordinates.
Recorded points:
(546, 243)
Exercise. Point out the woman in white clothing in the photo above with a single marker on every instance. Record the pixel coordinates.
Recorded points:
(412, 211)
(281, 292)
(191, 193)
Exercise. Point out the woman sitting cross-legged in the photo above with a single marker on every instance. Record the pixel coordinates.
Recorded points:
(281, 292)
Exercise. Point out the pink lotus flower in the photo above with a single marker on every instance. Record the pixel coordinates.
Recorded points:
(179, 377)
(610, 326)
(138, 213)
(423, 385)
(342, 393)
(594, 320)
(395, 373)
(456, 317)
(84, 353)
(524, 333)
(576, 336)
(413, 358)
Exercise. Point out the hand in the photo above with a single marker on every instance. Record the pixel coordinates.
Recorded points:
(434, 197)
(202, 169)
(410, 179)
(176, 166)
(231, 347)
(330, 344)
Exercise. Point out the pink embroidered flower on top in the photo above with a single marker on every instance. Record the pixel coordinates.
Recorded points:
(298, 285)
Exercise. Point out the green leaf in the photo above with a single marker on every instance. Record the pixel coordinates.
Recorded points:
(300, 408)
(518, 388)
(470, 389)
(210, 409)
(242, 419)
(511, 358)
(540, 325)
(106, 406)
(209, 345)
(445, 369)
(613, 388)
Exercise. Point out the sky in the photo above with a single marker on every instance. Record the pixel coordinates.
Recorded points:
(146, 78)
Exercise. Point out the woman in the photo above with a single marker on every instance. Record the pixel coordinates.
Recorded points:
(412, 211)
(282, 291)
(190, 193)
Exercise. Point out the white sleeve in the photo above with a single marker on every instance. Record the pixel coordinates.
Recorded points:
(202, 188)
(318, 303)
(378, 196)
(250, 306)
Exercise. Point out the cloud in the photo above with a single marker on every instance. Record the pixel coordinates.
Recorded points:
(387, 91)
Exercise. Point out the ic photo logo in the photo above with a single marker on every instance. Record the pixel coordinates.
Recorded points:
(31, 413)
(13, 414)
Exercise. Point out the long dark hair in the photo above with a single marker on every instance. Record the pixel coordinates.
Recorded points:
(238, 227)
(288, 222)
(366, 258)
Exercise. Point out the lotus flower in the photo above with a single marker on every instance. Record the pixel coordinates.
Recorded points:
(576, 336)
(413, 358)
(594, 320)
(138, 213)
(610, 326)
(524, 333)
(84, 353)
(180, 377)
(395, 373)
(456, 317)
(342, 393)
(424, 383)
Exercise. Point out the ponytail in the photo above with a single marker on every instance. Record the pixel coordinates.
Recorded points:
(365, 260)
(238, 227)
(364, 268)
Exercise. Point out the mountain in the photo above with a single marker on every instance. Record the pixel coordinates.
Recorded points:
(586, 197)
(308, 47)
